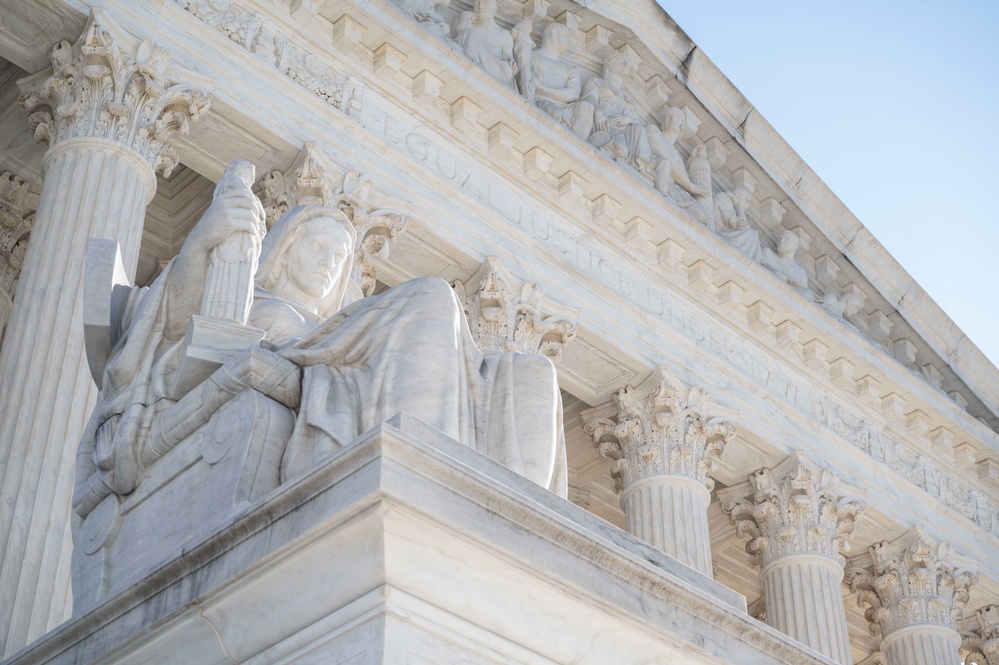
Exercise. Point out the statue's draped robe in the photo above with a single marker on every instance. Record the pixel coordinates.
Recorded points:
(408, 349)
(490, 48)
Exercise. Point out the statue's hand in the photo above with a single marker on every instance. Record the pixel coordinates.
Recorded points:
(234, 211)
(620, 121)
(600, 121)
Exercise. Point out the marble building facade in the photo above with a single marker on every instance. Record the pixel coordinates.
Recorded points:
(776, 449)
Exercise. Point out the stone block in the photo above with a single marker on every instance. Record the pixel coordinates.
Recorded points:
(347, 33)
(465, 114)
(700, 275)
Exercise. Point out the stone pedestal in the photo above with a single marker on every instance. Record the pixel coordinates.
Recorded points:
(798, 518)
(106, 109)
(915, 588)
(663, 445)
(406, 547)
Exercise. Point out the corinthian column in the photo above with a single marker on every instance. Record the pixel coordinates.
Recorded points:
(982, 644)
(664, 446)
(105, 108)
(798, 520)
(915, 589)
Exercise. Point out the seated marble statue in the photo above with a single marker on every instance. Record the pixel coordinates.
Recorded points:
(618, 128)
(557, 83)
(730, 223)
(783, 263)
(486, 44)
(407, 349)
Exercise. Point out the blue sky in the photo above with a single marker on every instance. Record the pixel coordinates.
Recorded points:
(894, 105)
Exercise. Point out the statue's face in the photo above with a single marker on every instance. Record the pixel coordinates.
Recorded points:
(616, 70)
(557, 38)
(788, 243)
(485, 8)
(316, 260)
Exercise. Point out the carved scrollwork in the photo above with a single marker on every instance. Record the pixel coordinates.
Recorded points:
(660, 429)
(98, 88)
(253, 33)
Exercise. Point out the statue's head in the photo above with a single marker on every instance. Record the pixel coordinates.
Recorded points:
(484, 8)
(306, 258)
(556, 38)
(673, 122)
(788, 243)
(618, 66)
(852, 303)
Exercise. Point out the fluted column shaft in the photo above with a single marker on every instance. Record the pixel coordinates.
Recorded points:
(924, 644)
(92, 187)
(799, 516)
(106, 108)
(671, 514)
(804, 601)
(663, 445)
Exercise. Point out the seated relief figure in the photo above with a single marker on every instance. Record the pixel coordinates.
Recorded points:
(486, 44)
(407, 349)
(618, 128)
(730, 223)
(557, 83)
(425, 13)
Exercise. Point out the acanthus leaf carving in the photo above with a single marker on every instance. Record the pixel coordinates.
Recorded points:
(659, 429)
(506, 317)
(982, 642)
(100, 87)
(17, 215)
(313, 180)
(912, 580)
(794, 508)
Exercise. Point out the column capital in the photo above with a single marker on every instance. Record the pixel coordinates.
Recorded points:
(106, 87)
(658, 428)
(982, 641)
(506, 314)
(913, 580)
(795, 508)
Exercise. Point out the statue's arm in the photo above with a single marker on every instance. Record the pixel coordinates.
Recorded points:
(235, 211)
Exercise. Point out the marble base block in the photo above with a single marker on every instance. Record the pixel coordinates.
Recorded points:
(408, 547)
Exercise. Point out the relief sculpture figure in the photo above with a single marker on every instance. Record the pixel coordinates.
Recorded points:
(783, 262)
(425, 13)
(406, 349)
(557, 84)
(730, 223)
(618, 128)
(486, 44)
(687, 184)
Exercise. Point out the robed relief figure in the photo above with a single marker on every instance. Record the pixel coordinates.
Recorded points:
(407, 349)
